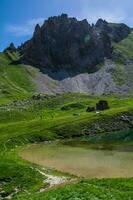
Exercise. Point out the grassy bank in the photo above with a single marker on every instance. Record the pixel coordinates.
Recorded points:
(29, 121)
(105, 189)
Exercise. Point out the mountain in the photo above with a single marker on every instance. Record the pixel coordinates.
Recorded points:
(68, 55)
(64, 43)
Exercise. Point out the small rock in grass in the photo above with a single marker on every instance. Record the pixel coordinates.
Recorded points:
(90, 109)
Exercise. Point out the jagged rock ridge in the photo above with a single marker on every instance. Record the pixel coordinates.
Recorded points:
(66, 44)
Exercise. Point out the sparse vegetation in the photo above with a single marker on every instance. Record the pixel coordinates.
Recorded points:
(119, 74)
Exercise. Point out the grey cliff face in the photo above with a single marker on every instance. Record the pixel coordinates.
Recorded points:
(72, 45)
(116, 32)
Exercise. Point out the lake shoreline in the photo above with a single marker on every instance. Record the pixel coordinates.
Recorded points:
(114, 162)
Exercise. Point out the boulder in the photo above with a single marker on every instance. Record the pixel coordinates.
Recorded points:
(102, 105)
(90, 109)
(66, 108)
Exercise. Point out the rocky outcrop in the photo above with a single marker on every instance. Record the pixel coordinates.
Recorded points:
(116, 32)
(105, 124)
(11, 48)
(90, 109)
(102, 105)
(64, 43)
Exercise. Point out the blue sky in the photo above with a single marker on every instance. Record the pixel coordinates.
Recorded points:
(19, 17)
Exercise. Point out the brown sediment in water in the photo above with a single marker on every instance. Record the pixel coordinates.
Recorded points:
(80, 161)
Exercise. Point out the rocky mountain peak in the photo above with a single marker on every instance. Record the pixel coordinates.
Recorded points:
(101, 23)
(37, 32)
(11, 47)
(117, 32)
(37, 28)
(65, 43)
(64, 16)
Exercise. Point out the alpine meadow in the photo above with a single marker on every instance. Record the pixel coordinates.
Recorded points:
(66, 100)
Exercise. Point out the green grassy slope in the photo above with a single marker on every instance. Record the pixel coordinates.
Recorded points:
(41, 120)
(125, 48)
(123, 61)
(14, 80)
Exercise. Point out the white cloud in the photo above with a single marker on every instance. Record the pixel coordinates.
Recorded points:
(115, 16)
(93, 10)
(25, 29)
